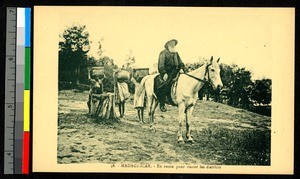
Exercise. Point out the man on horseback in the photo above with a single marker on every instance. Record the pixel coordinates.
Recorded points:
(169, 65)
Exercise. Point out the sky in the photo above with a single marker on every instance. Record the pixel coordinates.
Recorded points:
(241, 36)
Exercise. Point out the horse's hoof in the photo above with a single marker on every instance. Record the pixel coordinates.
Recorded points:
(180, 142)
(152, 129)
(190, 141)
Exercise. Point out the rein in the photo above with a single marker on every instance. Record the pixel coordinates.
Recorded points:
(201, 80)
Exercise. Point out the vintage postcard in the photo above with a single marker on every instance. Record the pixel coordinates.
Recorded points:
(163, 90)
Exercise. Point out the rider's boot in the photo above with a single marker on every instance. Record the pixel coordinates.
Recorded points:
(162, 105)
(163, 108)
(160, 92)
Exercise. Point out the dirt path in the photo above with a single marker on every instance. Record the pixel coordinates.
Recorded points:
(222, 134)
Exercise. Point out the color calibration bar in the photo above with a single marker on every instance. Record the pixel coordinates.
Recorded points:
(26, 144)
(22, 91)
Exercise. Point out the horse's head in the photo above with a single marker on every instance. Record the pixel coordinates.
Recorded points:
(213, 72)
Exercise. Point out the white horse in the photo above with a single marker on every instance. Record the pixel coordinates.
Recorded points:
(186, 95)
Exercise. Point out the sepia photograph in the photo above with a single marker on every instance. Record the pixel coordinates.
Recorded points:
(171, 89)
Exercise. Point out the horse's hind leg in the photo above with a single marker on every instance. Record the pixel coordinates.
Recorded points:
(154, 105)
(149, 105)
(189, 116)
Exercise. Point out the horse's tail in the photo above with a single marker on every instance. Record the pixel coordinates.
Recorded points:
(141, 89)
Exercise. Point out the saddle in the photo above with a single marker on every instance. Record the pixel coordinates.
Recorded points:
(172, 90)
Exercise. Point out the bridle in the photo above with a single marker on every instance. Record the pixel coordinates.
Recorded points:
(205, 80)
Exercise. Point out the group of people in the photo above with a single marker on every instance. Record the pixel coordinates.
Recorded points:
(169, 65)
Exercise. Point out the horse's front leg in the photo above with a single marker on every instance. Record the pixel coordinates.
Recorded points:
(189, 116)
(180, 121)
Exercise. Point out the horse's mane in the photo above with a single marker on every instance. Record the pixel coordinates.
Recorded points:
(196, 68)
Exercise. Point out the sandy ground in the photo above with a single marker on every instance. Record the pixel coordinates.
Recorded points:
(223, 135)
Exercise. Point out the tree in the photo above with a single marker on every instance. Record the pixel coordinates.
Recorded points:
(262, 91)
(73, 49)
(240, 87)
(109, 68)
(129, 61)
(100, 47)
(205, 90)
(226, 73)
(129, 64)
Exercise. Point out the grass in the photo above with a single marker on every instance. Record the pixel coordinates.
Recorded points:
(236, 147)
(223, 134)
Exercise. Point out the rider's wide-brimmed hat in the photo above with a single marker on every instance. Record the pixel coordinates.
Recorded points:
(173, 40)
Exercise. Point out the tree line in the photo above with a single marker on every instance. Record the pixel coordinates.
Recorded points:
(239, 90)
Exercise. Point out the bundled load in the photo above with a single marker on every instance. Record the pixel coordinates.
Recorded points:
(122, 76)
(97, 72)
